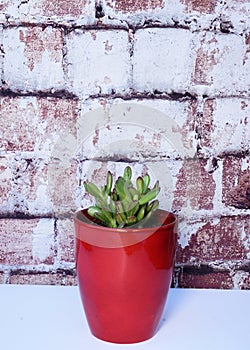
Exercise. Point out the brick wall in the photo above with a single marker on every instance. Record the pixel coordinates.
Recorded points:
(187, 59)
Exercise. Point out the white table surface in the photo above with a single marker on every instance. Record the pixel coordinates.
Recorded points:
(51, 317)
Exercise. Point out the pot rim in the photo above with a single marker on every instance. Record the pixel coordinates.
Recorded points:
(162, 217)
(106, 237)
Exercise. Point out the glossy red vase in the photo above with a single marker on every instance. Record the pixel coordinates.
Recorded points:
(124, 276)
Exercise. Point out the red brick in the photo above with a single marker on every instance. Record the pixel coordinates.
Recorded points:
(63, 185)
(135, 6)
(70, 280)
(206, 126)
(195, 187)
(206, 59)
(66, 242)
(231, 172)
(30, 124)
(202, 6)
(245, 283)
(216, 280)
(218, 240)
(236, 183)
(22, 244)
(240, 194)
(16, 241)
(63, 7)
(44, 278)
(1, 277)
(36, 43)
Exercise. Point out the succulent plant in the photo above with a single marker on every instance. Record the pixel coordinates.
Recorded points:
(122, 203)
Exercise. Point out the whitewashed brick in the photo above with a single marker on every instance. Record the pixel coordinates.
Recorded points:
(195, 14)
(35, 124)
(66, 241)
(222, 65)
(98, 61)
(163, 59)
(59, 8)
(226, 126)
(30, 194)
(33, 58)
(137, 13)
(25, 242)
(187, 13)
(5, 182)
(44, 11)
(32, 134)
(137, 129)
(198, 48)
(238, 13)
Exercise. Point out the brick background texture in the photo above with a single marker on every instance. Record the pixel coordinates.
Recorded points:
(186, 61)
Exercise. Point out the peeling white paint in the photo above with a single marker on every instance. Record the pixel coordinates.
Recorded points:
(42, 204)
(186, 231)
(42, 239)
(230, 134)
(239, 278)
(16, 71)
(246, 162)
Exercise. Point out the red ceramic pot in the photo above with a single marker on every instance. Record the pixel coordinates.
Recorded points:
(124, 276)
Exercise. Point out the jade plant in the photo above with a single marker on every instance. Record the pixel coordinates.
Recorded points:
(122, 203)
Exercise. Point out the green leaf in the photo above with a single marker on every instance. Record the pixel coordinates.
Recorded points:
(93, 210)
(133, 193)
(139, 184)
(131, 220)
(156, 186)
(127, 175)
(148, 196)
(124, 204)
(133, 208)
(141, 212)
(114, 196)
(153, 206)
(112, 205)
(109, 183)
(120, 220)
(102, 215)
(93, 190)
(146, 182)
(119, 186)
